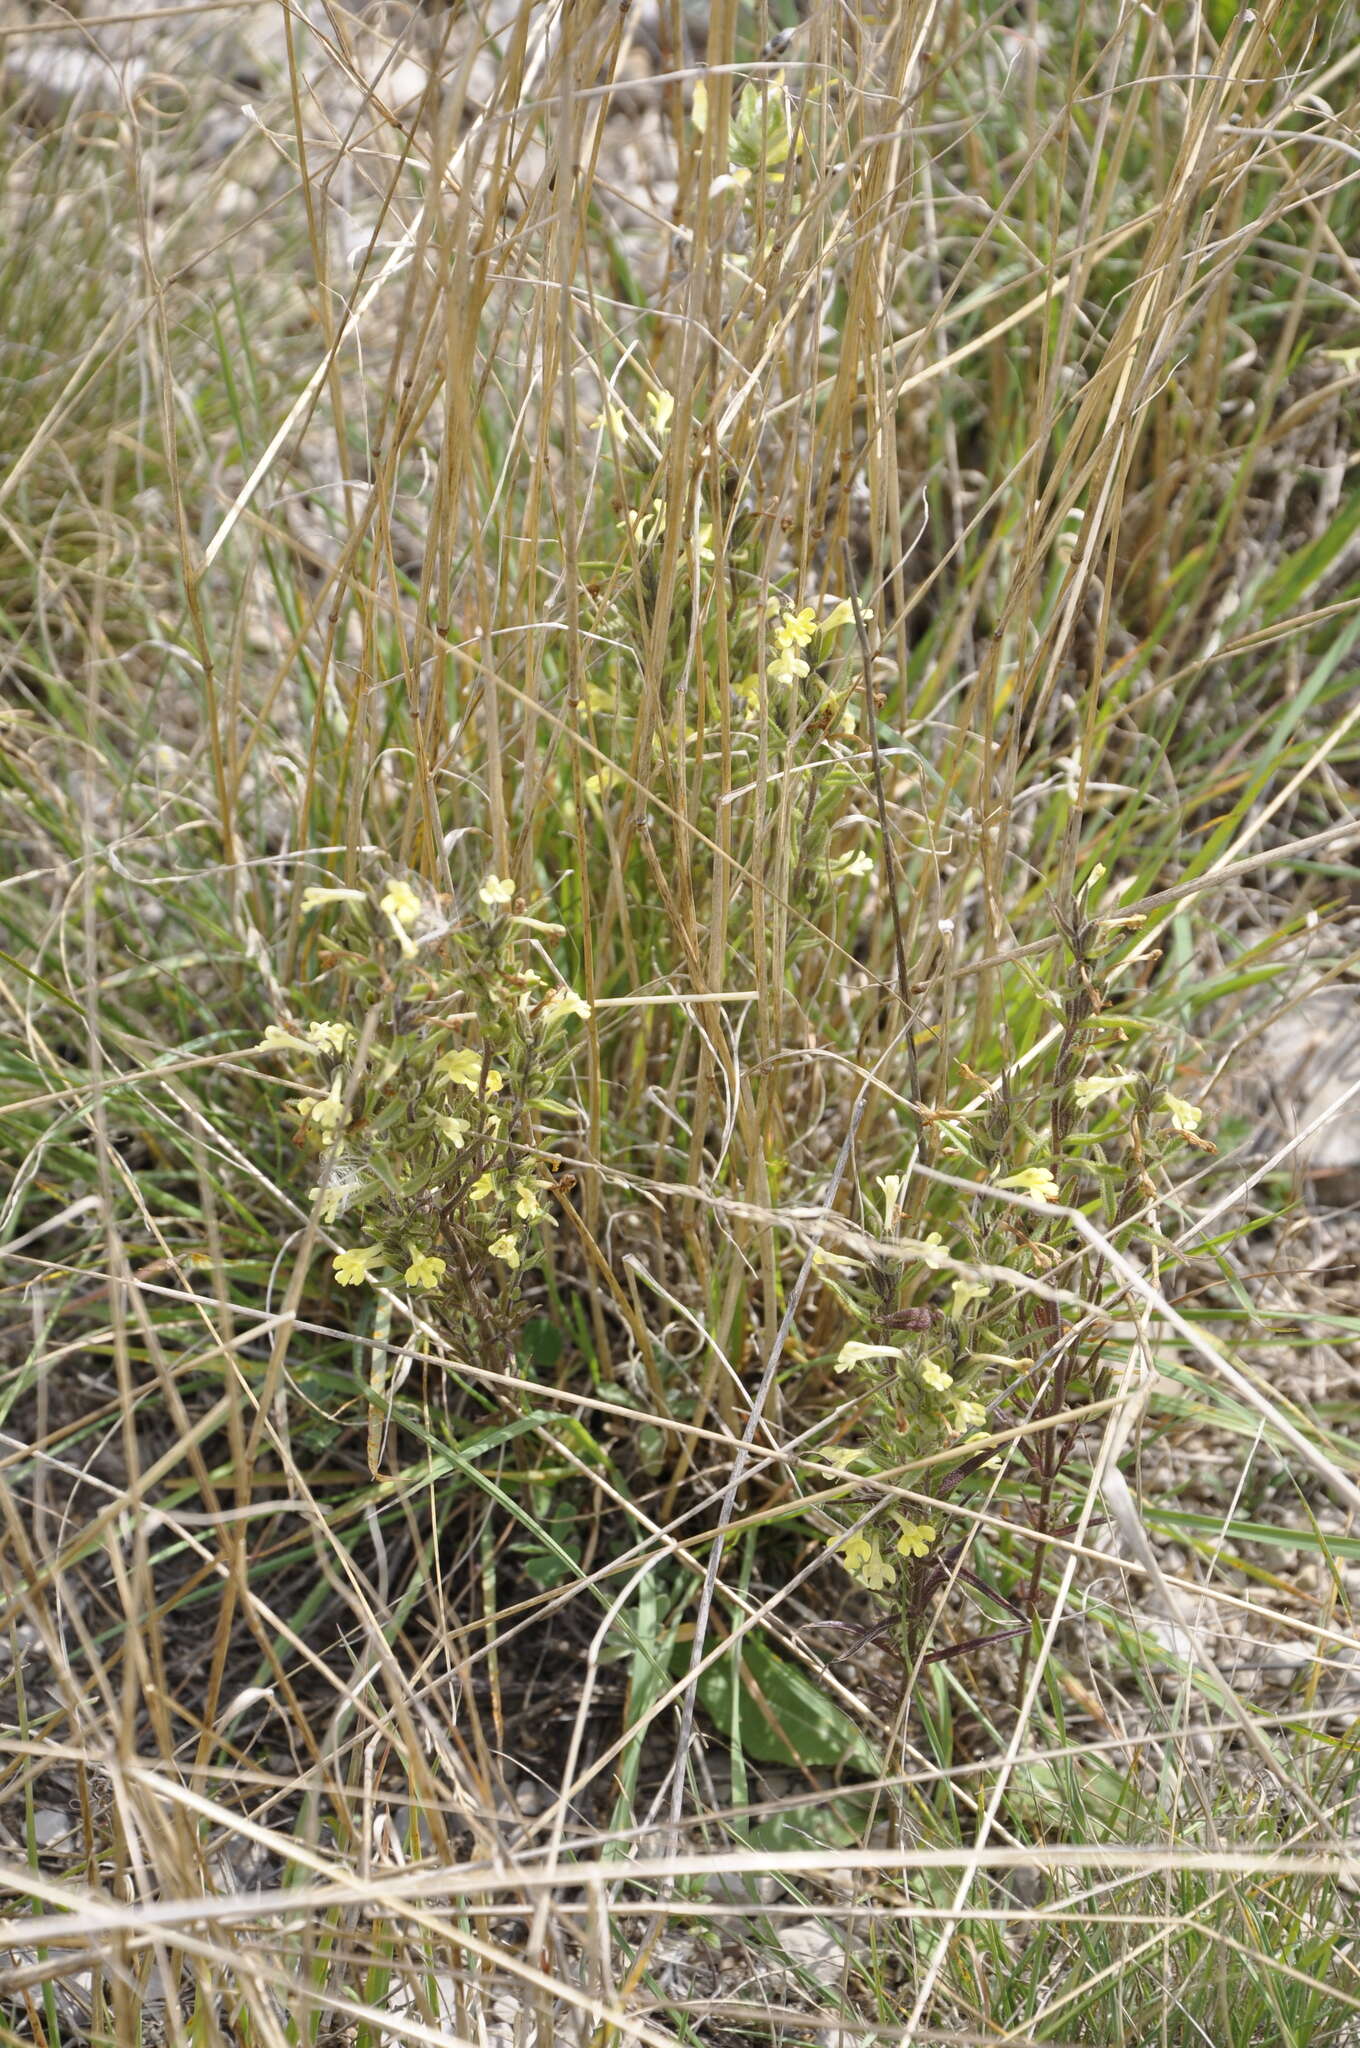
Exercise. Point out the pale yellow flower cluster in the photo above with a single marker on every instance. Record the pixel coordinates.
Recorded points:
(864, 1560)
(794, 632)
(512, 1201)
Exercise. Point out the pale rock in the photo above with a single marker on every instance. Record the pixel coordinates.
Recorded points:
(1312, 1055)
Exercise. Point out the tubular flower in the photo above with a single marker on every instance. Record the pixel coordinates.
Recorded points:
(527, 1205)
(1087, 1092)
(964, 1292)
(967, 1416)
(864, 1560)
(915, 1539)
(788, 667)
(316, 899)
(855, 1353)
(464, 1068)
(842, 613)
(796, 629)
(400, 902)
(324, 1113)
(400, 905)
(1185, 1118)
(506, 1250)
(353, 1267)
(1033, 1180)
(276, 1039)
(424, 1271)
(561, 1003)
(330, 1037)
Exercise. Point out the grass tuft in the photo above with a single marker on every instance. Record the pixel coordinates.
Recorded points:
(677, 728)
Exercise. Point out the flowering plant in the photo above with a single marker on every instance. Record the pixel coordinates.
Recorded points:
(421, 1102)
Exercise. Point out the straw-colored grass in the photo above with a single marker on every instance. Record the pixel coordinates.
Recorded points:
(668, 707)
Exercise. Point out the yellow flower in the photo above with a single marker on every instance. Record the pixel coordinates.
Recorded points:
(1184, 1116)
(506, 1250)
(314, 899)
(464, 1068)
(276, 1039)
(787, 667)
(424, 1271)
(482, 1190)
(966, 1291)
(854, 1353)
(496, 889)
(648, 527)
(1033, 1180)
(1090, 1091)
(796, 629)
(330, 1037)
(400, 903)
(602, 781)
(916, 1539)
(833, 1262)
(612, 416)
(661, 405)
(842, 613)
(325, 1113)
(935, 1376)
(968, 1415)
(453, 1130)
(892, 1185)
(864, 1560)
(563, 1002)
(527, 1205)
(352, 1268)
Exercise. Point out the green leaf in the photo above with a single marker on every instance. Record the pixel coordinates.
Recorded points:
(783, 1717)
(820, 1824)
(541, 1343)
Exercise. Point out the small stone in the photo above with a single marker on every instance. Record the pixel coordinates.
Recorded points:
(1313, 1057)
(52, 1828)
(815, 1951)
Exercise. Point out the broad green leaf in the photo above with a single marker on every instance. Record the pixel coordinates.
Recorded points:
(783, 1716)
(823, 1823)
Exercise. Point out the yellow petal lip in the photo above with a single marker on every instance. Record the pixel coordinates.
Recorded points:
(353, 1267)
(424, 1270)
